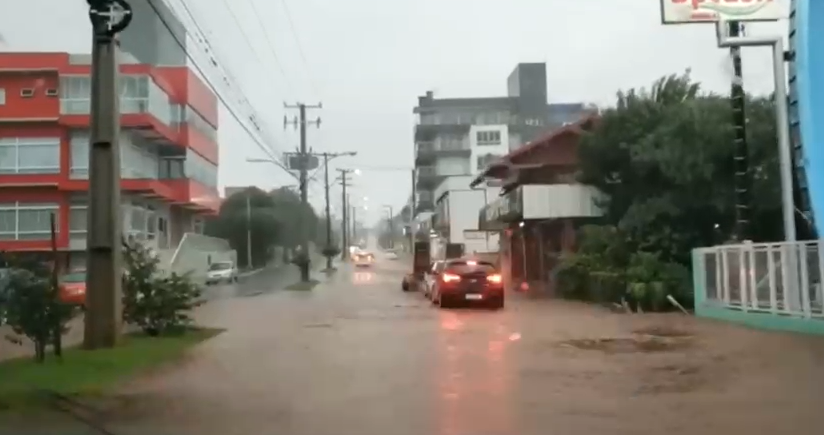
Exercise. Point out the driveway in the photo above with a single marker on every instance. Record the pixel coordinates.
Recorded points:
(359, 356)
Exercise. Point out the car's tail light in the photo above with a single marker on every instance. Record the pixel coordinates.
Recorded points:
(448, 277)
(495, 279)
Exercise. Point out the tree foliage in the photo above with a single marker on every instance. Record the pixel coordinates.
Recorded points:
(33, 307)
(156, 303)
(664, 157)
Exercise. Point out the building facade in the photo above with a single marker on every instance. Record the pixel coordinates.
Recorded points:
(461, 136)
(168, 151)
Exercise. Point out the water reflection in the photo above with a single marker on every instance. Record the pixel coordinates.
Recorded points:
(472, 371)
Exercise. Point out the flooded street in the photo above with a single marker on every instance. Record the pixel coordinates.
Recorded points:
(359, 356)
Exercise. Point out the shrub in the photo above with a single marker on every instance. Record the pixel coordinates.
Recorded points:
(33, 308)
(157, 304)
(331, 251)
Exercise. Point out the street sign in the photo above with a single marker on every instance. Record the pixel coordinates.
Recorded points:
(297, 162)
(710, 11)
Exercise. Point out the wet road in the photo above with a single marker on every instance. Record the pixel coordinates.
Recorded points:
(358, 356)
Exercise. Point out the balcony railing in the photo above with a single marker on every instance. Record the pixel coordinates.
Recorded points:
(442, 145)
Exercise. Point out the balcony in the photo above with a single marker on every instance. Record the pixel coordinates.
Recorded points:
(542, 201)
(430, 176)
(428, 151)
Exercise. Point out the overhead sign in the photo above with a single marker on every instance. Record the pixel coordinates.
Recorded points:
(297, 162)
(710, 11)
(474, 235)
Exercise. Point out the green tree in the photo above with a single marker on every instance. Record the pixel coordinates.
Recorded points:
(235, 218)
(296, 219)
(158, 304)
(664, 157)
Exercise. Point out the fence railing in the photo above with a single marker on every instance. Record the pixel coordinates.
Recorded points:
(782, 279)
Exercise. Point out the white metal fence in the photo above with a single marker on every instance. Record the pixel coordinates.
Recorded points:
(784, 279)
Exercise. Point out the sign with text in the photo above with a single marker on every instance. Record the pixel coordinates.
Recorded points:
(711, 11)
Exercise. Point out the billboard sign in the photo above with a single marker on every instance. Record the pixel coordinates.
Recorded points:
(711, 11)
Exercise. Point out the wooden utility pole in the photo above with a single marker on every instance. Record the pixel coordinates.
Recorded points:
(304, 187)
(326, 158)
(102, 324)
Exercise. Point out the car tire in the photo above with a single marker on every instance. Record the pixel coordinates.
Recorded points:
(497, 303)
(405, 285)
(444, 303)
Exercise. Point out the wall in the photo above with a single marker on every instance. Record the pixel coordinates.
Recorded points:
(39, 105)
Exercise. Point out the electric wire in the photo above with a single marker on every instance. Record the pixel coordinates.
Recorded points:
(294, 31)
(255, 138)
(269, 42)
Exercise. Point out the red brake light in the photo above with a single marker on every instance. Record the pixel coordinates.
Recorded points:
(448, 277)
(495, 279)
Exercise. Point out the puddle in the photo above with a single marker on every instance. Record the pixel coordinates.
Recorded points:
(638, 343)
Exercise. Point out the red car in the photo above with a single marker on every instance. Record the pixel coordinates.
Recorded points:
(465, 280)
(73, 288)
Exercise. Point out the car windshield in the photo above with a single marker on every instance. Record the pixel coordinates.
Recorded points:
(73, 278)
(469, 266)
(220, 266)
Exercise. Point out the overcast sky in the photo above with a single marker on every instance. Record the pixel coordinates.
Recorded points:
(368, 60)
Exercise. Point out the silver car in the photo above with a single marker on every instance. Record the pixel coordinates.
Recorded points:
(222, 271)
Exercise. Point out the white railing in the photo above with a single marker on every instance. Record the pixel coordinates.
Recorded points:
(784, 279)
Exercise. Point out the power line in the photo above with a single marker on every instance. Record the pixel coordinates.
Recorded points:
(294, 31)
(269, 41)
(263, 147)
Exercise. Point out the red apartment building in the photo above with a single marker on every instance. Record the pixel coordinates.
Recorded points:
(168, 143)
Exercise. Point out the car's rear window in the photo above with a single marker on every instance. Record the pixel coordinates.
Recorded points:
(462, 266)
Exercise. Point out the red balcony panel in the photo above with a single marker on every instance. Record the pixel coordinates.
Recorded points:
(32, 180)
(138, 121)
(199, 143)
(188, 89)
(194, 195)
(27, 245)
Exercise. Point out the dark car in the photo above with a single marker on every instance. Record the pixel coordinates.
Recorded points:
(466, 280)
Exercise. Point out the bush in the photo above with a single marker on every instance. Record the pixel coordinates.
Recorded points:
(604, 270)
(157, 304)
(33, 308)
(331, 251)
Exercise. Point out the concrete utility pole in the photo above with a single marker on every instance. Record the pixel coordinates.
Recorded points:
(102, 324)
(344, 182)
(354, 223)
(326, 158)
(304, 187)
(412, 212)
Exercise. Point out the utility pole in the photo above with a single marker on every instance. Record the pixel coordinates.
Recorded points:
(413, 211)
(326, 158)
(344, 182)
(741, 150)
(249, 228)
(391, 226)
(354, 224)
(304, 188)
(104, 243)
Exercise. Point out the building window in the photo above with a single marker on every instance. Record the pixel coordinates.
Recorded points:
(198, 225)
(2, 97)
(486, 160)
(136, 160)
(138, 94)
(78, 222)
(30, 155)
(27, 92)
(27, 221)
(489, 137)
(199, 169)
(195, 120)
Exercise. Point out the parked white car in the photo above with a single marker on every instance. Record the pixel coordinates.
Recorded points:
(222, 271)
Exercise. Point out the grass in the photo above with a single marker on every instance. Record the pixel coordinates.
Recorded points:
(303, 286)
(82, 372)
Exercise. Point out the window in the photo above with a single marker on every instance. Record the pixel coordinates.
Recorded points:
(489, 137)
(138, 94)
(199, 169)
(136, 160)
(27, 92)
(198, 225)
(486, 160)
(2, 97)
(51, 92)
(200, 124)
(78, 222)
(30, 155)
(27, 221)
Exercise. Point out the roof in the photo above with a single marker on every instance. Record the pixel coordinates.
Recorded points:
(501, 168)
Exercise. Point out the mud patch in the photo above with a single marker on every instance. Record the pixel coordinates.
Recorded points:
(638, 343)
(674, 378)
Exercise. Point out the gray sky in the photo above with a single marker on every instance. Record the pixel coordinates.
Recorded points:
(368, 60)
